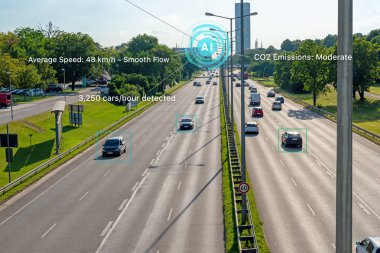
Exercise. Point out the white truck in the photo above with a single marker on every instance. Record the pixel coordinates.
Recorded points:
(254, 99)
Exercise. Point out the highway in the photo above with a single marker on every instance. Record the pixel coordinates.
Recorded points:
(164, 195)
(21, 111)
(295, 191)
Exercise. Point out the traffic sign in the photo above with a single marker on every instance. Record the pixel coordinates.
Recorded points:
(243, 188)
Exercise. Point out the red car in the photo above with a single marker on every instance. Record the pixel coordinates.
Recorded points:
(5, 99)
(257, 112)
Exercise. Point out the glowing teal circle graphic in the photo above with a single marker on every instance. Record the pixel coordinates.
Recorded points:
(208, 47)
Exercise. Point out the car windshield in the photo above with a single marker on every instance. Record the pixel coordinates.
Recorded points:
(294, 135)
(199, 97)
(251, 125)
(186, 120)
(112, 143)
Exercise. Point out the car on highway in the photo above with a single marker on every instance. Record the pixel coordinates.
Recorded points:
(276, 105)
(291, 138)
(237, 85)
(252, 89)
(280, 99)
(195, 83)
(208, 81)
(215, 83)
(53, 88)
(186, 123)
(246, 84)
(199, 100)
(257, 112)
(368, 245)
(114, 146)
(251, 127)
(271, 93)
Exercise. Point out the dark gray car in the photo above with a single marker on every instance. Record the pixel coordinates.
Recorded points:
(114, 146)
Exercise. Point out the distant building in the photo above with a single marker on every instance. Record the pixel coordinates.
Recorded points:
(247, 26)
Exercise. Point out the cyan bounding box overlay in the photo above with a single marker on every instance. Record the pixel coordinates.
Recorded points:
(178, 118)
(281, 148)
(124, 158)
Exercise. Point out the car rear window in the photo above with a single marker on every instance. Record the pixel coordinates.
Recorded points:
(251, 125)
(294, 135)
(112, 142)
(186, 120)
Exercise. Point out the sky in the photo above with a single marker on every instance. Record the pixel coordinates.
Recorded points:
(112, 22)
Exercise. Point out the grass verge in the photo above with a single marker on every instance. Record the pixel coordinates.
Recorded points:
(231, 241)
(43, 150)
(265, 81)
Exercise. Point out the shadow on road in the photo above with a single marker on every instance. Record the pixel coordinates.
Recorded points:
(152, 245)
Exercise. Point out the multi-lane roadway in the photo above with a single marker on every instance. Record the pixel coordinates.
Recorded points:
(163, 195)
(295, 191)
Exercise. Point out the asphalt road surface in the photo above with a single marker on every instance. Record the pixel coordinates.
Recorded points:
(163, 195)
(21, 111)
(295, 189)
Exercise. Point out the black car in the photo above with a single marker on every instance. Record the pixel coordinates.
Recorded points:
(208, 82)
(114, 146)
(53, 88)
(271, 93)
(186, 123)
(215, 83)
(291, 139)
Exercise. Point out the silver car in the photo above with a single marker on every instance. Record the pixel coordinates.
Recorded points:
(276, 105)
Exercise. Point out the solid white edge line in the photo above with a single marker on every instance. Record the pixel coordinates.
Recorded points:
(145, 171)
(135, 186)
(107, 173)
(83, 196)
(294, 182)
(106, 229)
(283, 165)
(47, 232)
(120, 215)
(179, 185)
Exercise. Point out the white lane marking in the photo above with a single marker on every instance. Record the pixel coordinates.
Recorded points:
(120, 215)
(356, 163)
(145, 171)
(329, 173)
(318, 162)
(311, 209)
(106, 173)
(185, 165)
(122, 204)
(366, 205)
(283, 165)
(83, 196)
(42, 193)
(170, 214)
(294, 182)
(170, 139)
(47, 232)
(135, 186)
(158, 152)
(163, 145)
(179, 185)
(333, 245)
(167, 138)
(106, 229)
(363, 208)
(353, 192)
(152, 162)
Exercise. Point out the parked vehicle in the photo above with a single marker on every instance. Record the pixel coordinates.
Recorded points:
(114, 146)
(254, 99)
(53, 88)
(5, 99)
(291, 139)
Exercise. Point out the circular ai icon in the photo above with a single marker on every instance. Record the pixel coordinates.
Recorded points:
(208, 46)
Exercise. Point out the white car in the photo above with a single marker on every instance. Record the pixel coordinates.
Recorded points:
(251, 127)
(368, 245)
(276, 105)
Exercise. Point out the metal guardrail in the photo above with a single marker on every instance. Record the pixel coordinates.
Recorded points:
(33, 172)
(245, 232)
(361, 131)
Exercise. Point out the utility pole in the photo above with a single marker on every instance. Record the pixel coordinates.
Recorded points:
(242, 111)
(231, 80)
(344, 130)
(10, 92)
(9, 155)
